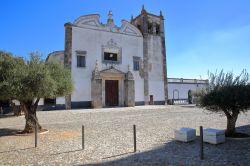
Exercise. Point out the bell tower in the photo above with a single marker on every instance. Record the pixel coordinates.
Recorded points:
(154, 55)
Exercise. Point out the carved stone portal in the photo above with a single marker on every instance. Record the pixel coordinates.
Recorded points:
(129, 90)
(96, 88)
(126, 96)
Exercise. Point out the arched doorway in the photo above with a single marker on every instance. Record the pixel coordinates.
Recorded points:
(175, 94)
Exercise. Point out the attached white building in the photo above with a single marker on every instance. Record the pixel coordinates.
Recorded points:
(179, 89)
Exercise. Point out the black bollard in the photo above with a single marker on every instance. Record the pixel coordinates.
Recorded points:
(82, 137)
(36, 128)
(201, 144)
(134, 127)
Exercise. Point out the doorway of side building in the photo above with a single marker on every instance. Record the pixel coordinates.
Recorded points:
(111, 93)
(176, 94)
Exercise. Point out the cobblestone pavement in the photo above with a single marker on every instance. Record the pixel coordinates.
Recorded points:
(109, 138)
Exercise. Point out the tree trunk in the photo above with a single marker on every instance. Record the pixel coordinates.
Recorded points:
(231, 122)
(30, 116)
(15, 109)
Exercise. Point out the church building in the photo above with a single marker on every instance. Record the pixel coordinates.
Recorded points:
(115, 66)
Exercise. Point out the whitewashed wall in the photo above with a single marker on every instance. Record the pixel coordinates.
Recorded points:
(60, 100)
(41, 101)
(183, 89)
(92, 41)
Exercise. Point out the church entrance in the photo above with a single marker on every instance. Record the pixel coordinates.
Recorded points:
(111, 93)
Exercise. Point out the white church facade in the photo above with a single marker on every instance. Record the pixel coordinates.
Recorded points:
(116, 66)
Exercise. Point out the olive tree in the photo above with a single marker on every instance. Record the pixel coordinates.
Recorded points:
(229, 95)
(30, 80)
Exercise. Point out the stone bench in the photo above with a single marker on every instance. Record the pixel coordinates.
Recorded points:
(213, 136)
(185, 134)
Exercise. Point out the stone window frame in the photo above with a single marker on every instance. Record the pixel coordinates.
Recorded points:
(112, 47)
(81, 53)
(115, 50)
(136, 59)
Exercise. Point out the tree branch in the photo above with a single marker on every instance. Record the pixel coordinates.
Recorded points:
(37, 101)
(227, 114)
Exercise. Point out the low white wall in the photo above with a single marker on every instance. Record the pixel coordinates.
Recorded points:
(60, 100)
(183, 89)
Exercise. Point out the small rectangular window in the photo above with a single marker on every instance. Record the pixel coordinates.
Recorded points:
(136, 65)
(136, 62)
(81, 61)
(110, 56)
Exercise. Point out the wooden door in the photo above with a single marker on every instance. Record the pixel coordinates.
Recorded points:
(111, 93)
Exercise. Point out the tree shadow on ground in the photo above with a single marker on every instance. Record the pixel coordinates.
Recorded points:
(232, 152)
(16, 150)
(188, 106)
(8, 132)
(7, 115)
(243, 129)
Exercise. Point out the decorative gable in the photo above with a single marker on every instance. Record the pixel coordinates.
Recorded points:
(129, 29)
(92, 21)
(88, 21)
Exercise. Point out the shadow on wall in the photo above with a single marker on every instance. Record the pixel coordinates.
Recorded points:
(233, 152)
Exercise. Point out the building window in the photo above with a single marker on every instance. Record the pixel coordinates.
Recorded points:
(81, 58)
(111, 53)
(112, 56)
(81, 61)
(136, 62)
(108, 56)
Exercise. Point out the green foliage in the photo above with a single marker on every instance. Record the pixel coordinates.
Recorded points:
(227, 93)
(11, 72)
(27, 80)
(190, 97)
(230, 99)
(217, 81)
(196, 95)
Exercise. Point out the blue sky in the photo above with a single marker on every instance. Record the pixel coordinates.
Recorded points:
(201, 35)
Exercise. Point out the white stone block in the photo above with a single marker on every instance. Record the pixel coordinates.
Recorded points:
(213, 136)
(185, 134)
